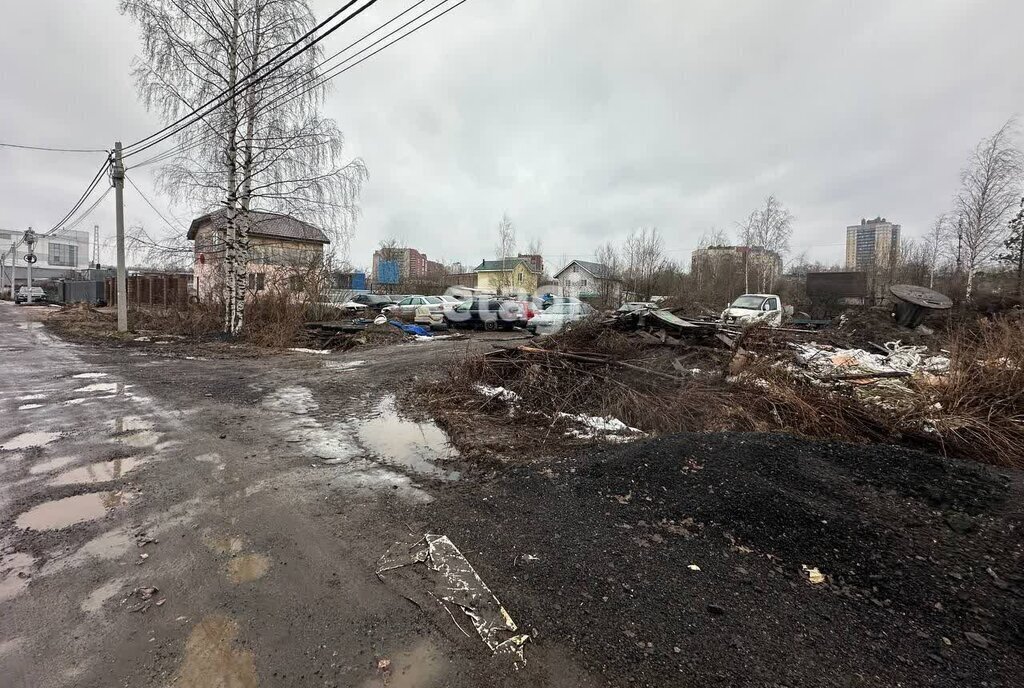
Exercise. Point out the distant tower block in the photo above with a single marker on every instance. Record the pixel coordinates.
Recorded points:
(95, 246)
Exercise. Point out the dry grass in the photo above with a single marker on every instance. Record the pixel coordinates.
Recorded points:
(596, 371)
(980, 412)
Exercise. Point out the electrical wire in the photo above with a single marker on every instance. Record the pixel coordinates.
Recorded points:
(150, 204)
(81, 201)
(322, 79)
(54, 150)
(247, 81)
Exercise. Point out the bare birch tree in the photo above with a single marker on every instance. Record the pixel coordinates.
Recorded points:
(644, 256)
(1014, 248)
(266, 146)
(609, 287)
(990, 187)
(506, 248)
(769, 227)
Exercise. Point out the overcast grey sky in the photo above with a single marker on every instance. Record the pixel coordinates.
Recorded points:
(582, 119)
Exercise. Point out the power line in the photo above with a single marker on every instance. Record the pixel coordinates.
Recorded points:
(149, 203)
(81, 201)
(323, 79)
(53, 150)
(249, 80)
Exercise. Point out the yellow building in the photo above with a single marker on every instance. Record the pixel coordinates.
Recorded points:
(507, 276)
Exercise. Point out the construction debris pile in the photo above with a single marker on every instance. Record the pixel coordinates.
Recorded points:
(651, 372)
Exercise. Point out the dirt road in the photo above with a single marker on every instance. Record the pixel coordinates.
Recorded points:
(216, 518)
(255, 494)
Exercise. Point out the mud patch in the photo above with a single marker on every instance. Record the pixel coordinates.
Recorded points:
(61, 513)
(406, 443)
(224, 544)
(99, 472)
(213, 660)
(27, 440)
(246, 568)
(297, 400)
(15, 573)
(96, 599)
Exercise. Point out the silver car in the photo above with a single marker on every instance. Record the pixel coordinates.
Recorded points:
(553, 318)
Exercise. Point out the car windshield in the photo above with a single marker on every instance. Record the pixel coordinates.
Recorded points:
(752, 303)
(433, 299)
(562, 309)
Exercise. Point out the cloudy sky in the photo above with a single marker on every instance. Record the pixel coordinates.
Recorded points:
(582, 119)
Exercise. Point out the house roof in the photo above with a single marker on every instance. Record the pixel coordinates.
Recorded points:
(264, 224)
(503, 265)
(596, 269)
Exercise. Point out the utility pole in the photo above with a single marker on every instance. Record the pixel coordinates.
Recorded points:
(14, 265)
(30, 257)
(117, 174)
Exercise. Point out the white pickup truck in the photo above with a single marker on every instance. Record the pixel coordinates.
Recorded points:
(755, 308)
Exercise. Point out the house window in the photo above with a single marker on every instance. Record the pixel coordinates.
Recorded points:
(256, 281)
(63, 254)
(520, 278)
(583, 282)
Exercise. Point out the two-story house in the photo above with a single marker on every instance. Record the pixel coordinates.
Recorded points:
(280, 248)
(507, 276)
(583, 279)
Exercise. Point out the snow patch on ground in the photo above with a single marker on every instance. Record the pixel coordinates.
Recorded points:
(88, 376)
(311, 351)
(596, 427)
(506, 395)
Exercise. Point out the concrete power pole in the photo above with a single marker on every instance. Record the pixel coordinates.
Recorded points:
(30, 257)
(14, 265)
(117, 174)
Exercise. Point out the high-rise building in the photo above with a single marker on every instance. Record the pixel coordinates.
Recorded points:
(873, 245)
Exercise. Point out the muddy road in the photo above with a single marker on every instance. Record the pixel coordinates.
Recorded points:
(172, 520)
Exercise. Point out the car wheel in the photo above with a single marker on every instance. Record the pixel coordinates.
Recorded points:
(490, 325)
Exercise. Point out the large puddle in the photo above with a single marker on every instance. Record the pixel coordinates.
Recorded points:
(27, 440)
(407, 443)
(61, 513)
(99, 472)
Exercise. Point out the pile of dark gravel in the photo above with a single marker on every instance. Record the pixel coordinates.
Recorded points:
(922, 556)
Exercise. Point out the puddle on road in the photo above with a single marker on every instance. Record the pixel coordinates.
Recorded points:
(15, 573)
(407, 443)
(129, 424)
(246, 568)
(343, 365)
(143, 438)
(52, 464)
(99, 472)
(421, 667)
(212, 660)
(95, 600)
(101, 387)
(88, 376)
(61, 513)
(27, 440)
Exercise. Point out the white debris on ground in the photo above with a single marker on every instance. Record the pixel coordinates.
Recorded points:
(596, 427)
(506, 395)
(831, 361)
(458, 584)
(310, 351)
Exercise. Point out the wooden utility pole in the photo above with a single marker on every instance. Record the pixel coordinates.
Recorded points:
(117, 174)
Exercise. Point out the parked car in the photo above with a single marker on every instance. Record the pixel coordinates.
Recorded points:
(491, 314)
(409, 305)
(38, 295)
(631, 306)
(372, 303)
(554, 318)
(752, 308)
